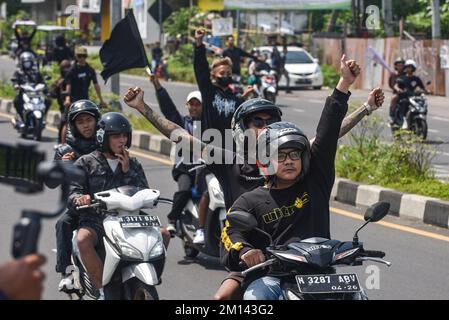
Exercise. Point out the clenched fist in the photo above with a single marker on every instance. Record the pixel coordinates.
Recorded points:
(134, 98)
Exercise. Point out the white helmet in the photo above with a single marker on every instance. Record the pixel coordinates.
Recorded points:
(410, 63)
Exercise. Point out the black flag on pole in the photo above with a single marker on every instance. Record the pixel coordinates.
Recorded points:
(124, 49)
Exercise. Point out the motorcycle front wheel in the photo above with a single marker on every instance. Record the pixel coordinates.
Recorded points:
(137, 290)
(420, 128)
(37, 129)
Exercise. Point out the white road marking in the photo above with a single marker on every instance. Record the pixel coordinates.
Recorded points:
(439, 118)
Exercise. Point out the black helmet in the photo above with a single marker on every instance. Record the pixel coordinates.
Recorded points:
(281, 135)
(112, 123)
(251, 106)
(399, 60)
(27, 60)
(79, 107)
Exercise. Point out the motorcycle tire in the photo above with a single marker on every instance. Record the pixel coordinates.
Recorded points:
(421, 129)
(37, 135)
(137, 290)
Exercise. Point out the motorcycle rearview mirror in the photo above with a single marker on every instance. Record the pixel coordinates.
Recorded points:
(244, 221)
(377, 211)
(374, 213)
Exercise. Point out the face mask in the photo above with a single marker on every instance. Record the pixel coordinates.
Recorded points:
(224, 81)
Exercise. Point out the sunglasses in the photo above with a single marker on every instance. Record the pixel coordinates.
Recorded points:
(262, 123)
(80, 56)
(293, 155)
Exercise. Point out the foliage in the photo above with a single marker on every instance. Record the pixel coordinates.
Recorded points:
(404, 164)
(330, 75)
(180, 65)
(178, 21)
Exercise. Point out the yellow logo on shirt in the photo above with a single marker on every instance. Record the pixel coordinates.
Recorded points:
(286, 211)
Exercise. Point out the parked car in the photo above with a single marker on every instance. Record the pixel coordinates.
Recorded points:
(304, 71)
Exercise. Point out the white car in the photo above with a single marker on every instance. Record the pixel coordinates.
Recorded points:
(303, 70)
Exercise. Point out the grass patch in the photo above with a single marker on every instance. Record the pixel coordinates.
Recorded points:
(330, 75)
(403, 164)
(141, 123)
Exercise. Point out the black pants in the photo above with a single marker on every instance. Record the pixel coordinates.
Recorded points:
(181, 197)
(18, 105)
(64, 231)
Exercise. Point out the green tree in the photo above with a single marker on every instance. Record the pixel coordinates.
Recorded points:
(178, 21)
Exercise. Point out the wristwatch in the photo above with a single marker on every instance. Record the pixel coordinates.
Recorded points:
(368, 108)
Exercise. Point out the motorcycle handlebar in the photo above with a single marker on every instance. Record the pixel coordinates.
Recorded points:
(373, 253)
(92, 205)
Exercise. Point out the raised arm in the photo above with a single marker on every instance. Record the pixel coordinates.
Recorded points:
(134, 99)
(200, 64)
(166, 104)
(375, 100)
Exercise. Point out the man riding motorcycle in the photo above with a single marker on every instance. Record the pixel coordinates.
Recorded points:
(405, 85)
(106, 168)
(299, 182)
(180, 172)
(82, 117)
(27, 73)
(399, 68)
(255, 114)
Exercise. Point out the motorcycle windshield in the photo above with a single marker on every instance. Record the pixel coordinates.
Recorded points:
(128, 190)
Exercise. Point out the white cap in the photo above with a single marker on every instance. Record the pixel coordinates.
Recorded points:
(196, 95)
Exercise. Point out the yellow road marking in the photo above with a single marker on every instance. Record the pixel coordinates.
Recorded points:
(332, 209)
(392, 225)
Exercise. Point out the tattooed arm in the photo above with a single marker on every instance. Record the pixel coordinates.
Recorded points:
(375, 100)
(134, 99)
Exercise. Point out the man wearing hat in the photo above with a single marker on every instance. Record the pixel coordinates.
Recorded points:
(180, 172)
(78, 79)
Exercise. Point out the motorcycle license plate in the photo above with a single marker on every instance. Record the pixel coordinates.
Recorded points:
(328, 283)
(139, 221)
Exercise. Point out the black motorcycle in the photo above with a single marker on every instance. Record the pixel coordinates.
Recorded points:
(307, 267)
(414, 116)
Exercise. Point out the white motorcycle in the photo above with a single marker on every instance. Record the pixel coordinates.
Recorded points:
(134, 252)
(268, 87)
(216, 217)
(33, 111)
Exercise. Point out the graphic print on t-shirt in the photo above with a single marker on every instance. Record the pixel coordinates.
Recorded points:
(286, 211)
(223, 105)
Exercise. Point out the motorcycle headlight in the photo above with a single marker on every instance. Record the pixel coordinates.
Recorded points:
(126, 249)
(158, 248)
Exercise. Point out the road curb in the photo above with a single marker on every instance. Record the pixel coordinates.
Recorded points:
(428, 210)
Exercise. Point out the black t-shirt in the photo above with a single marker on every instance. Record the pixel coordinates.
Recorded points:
(236, 54)
(79, 77)
(302, 210)
(156, 53)
(62, 53)
(218, 105)
(409, 83)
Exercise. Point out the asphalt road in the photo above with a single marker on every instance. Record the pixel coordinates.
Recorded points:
(420, 267)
